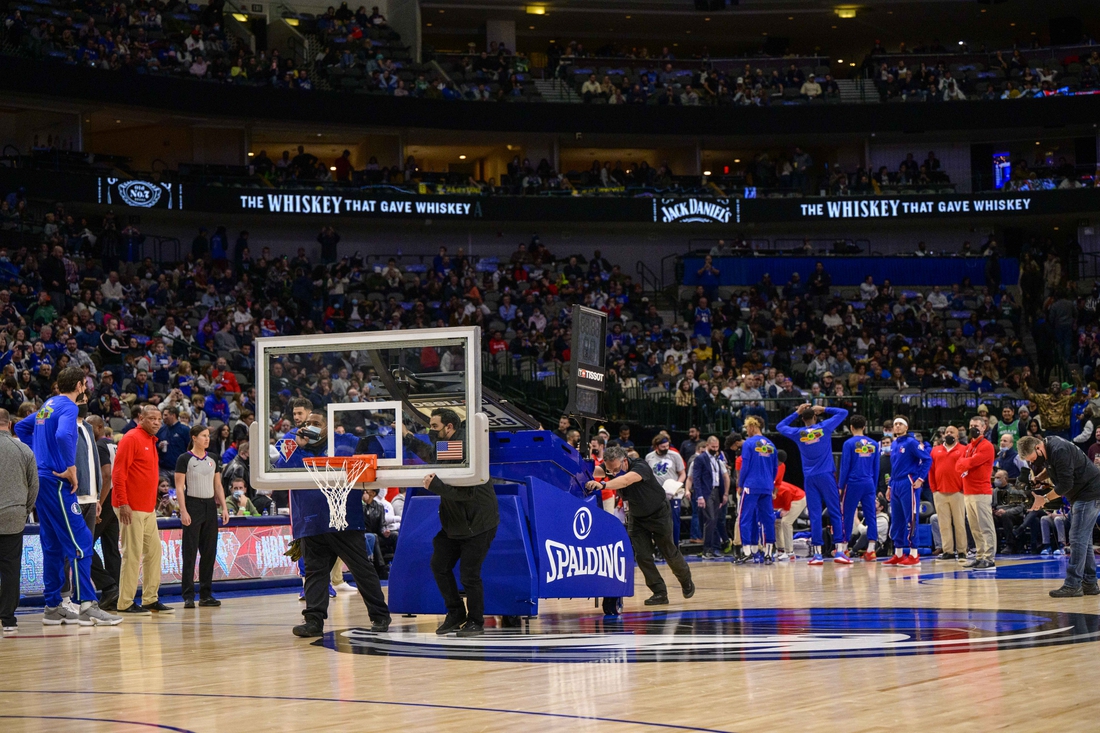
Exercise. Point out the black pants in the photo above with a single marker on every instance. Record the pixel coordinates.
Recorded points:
(88, 512)
(105, 572)
(201, 536)
(470, 552)
(655, 531)
(320, 553)
(11, 562)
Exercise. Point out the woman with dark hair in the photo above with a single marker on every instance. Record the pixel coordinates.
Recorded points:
(220, 441)
(1034, 429)
(200, 495)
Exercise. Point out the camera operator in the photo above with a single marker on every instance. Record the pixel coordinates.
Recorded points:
(1078, 480)
(1011, 503)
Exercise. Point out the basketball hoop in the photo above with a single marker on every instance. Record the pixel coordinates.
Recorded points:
(336, 476)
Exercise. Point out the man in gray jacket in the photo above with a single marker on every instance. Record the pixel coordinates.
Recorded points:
(18, 490)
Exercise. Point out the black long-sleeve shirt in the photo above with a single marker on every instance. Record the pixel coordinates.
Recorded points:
(1073, 474)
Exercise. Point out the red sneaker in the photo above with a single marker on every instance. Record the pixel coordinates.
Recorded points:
(894, 560)
(910, 560)
(870, 557)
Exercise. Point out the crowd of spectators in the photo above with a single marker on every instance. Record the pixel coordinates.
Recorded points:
(1000, 75)
(149, 37)
(670, 85)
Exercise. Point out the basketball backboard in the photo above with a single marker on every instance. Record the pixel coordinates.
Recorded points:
(371, 392)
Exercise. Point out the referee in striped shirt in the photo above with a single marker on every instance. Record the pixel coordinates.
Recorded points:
(200, 495)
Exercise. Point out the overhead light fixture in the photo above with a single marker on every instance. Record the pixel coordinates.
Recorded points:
(530, 27)
(962, 43)
(332, 167)
(292, 22)
(846, 12)
(251, 155)
(536, 10)
(840, 61)
(119, 122)
(706, 173)
(462, 157)
(736, 160)
(240, 17)
(428, 24)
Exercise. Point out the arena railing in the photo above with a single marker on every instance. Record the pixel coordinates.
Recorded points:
(650, 403)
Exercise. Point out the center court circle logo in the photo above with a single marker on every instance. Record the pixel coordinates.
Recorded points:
(582, 523)
(745, 635)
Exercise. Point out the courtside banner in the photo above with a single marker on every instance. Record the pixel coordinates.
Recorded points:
(245, 552)
(581, 551)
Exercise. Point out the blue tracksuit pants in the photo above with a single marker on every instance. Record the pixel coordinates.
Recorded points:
(822, 489)
(860, 495)
(64, 536)
(756, 510)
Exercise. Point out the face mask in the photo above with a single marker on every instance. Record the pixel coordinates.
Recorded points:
(999, 482)
(712, 452)
(975, 433)
(1038, 464)
(885, 450)
(238, 494)
(888, 434)
(949, 440)
(311, 433)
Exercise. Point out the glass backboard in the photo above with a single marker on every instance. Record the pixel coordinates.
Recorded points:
(403, 396)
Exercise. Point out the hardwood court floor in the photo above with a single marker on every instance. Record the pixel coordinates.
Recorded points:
(238, 668)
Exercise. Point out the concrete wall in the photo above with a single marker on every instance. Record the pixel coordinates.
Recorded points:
(20, 127)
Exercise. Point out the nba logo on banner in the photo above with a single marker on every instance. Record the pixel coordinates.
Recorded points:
(286, 448)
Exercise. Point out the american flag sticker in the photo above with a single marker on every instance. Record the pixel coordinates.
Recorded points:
(286, 448)
(448, 450)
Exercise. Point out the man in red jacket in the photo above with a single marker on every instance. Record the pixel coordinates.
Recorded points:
(946, 485)
(134, 480)
(976, 469)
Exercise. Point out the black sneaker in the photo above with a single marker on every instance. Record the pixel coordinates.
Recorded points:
(160, 608)
(452, 623)
(471, 628)
(1091, 590)
(210, 602)
(109, 602)
(947, 556)
(135, 610)
(689, 590)
(1066, 592)
(657, 599)
(189, 603)
(309, 629)
(511, 622)
(380, 627)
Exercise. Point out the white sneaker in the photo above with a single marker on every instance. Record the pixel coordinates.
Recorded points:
(59, 615)
(93, 615)
(68, 604)
(11, 629)
(782, 557)
(346, 587)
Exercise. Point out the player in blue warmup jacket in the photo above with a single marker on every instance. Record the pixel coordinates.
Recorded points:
(815, 443)
(859, 467)
(51, 433)
(759, 464)
(322, 545)
(909, 464)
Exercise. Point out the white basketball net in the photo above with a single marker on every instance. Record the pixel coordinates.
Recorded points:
(336, 480)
